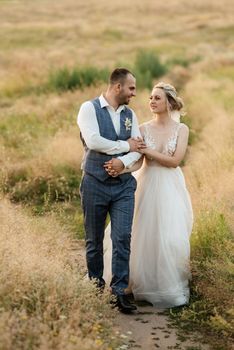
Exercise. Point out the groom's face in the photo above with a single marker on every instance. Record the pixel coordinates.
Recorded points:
(127, 90)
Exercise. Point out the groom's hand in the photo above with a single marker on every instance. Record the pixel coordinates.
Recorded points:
(136, 144)
(114, 167)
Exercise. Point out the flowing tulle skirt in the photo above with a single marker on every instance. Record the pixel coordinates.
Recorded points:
(160, 249)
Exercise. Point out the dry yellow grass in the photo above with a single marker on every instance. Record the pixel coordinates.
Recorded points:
(211, 162)
(45, 301)
(209, 173)
(74, 32)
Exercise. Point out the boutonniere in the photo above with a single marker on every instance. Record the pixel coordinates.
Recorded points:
(128, 124)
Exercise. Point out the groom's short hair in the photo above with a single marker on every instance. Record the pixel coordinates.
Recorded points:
(119, 75)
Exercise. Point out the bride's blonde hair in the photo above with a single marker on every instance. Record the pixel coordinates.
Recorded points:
(176, 103)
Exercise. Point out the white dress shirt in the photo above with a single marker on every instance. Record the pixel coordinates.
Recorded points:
(87, 122)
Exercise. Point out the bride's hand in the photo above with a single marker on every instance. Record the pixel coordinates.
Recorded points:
(146, 152)
(143, 150)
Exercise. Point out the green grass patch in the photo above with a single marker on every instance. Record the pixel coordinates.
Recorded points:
(210, 235)
(76, 78)
(42, 191)
(211, 309)
(148, 67)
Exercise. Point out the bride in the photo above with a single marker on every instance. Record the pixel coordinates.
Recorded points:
(160, 249)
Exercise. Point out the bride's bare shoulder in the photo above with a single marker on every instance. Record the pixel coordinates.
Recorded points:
(184, 127)
(145, 124)
(143, 127)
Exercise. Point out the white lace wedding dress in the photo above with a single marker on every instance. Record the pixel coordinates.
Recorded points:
(160, 249)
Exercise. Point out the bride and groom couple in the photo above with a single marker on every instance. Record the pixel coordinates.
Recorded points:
(155, 222)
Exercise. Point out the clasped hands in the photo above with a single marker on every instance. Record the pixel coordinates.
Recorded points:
(115, 166)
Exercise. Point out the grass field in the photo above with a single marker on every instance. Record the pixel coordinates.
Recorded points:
(54, 56)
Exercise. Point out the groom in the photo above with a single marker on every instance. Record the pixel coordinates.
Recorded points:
(109, 131)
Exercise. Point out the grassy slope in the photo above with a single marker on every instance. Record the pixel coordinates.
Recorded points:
(39, 138)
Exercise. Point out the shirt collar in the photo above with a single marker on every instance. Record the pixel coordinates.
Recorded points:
(104, 103)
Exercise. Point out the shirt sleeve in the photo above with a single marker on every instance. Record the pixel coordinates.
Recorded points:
(87, 122)
(132, 157)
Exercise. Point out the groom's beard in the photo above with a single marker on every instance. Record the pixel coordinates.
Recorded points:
(124, 100)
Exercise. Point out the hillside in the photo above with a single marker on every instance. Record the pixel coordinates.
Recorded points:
(54, 56)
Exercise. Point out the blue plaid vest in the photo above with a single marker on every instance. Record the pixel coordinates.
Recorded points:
(93, 161)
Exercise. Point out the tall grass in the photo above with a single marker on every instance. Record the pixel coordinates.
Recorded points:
(212, 280)
(148, 67)
(65, 79)
(45, 303)
(210, 178)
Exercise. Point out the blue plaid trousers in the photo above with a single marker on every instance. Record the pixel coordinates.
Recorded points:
(116, 197)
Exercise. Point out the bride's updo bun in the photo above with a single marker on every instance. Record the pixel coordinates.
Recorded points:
(176, 103)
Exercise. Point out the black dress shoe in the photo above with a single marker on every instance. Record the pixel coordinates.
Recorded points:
(130, 297)
(100, 285)
(123, 304)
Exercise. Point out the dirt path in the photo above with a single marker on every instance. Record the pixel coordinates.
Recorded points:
(149, 329)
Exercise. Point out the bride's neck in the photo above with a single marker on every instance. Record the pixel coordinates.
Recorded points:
(162, 119)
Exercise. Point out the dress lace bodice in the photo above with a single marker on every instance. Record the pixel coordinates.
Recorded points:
(158, 139)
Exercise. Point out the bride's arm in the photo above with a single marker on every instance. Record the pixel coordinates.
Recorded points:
(170, 161)
(136, 166)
